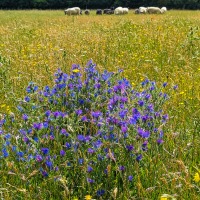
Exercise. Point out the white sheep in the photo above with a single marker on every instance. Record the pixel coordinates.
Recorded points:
(72, 11)
(153, 10)
(163, 9)
(142, 10)
(118, 11)
(125, 10)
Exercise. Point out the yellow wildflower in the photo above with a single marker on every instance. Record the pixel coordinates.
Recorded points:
(76, 70)
(163, 198)
(196, 177)
(88, 197)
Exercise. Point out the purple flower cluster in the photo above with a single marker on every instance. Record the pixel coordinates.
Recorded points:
(88, 122)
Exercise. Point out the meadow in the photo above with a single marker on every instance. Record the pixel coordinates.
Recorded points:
(161, 48)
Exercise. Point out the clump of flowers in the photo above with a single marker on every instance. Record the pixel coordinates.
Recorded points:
(90, 127)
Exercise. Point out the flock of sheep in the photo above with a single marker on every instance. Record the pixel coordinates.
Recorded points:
(117, 11)
(150, 10)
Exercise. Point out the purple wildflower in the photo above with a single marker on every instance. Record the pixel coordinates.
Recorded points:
(130, 147)
(62, 152)
(38, 126)
(130, 178)
(124, 129)
(45, 151)
(139, 157)
(89, 169)
(100, 192)
(96, 114)
(38, 158)
(143, 133)
(44, 173)
(78, 112)
(89, 180)
(122, 168)
(81, 138)
(90, 150)
(160, 141)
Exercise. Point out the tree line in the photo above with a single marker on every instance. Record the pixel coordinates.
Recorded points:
(94, 4)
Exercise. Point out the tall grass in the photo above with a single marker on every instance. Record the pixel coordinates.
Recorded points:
(164, 48)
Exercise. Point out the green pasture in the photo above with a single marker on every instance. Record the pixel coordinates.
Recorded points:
(163, 48)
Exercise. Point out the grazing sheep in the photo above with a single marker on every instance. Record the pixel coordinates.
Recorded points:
(105, 11)
(163, 9)
(118, 11)
(137, 11)
(125, 10)
(142, 10)
(99, 12)
(153, 10)
(110, 12)
(73, 11)
(79, 11)
(87, 12)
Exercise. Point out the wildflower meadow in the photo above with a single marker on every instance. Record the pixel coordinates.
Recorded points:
(99, 107)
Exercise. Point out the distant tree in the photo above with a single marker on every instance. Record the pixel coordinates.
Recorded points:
(60, 4)
(24, 4)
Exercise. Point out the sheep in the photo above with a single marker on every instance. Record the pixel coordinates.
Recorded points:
(110, 12)
(73, 11)
(163, 9)
(78, 10)
(105, 11)
(99, 12)
(153, 10)
(142, 10)
(137, 11)
(87, 12)
(118, 11)
(125, 10)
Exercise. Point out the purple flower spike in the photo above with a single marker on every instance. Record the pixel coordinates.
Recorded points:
(90, 151)
(175, 87)
(96, 114)
(130, 147)
(89, 169)
(89, 180)
(38, 126)
(25, 117)
(124, 129)
(122, 168)
(62, 153)
(81, 138)
(130, 178)
(160, 141)
(100, 192)
(164, 84)
(139, 157)
(84, 119)
(44, 173)
(140, 103)
(143, 133)
(38, 158)
(79, 112)
(45, 151)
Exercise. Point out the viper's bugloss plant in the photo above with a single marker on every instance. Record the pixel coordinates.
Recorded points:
(90, 128)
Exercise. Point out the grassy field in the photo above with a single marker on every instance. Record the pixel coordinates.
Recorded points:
(162, 48)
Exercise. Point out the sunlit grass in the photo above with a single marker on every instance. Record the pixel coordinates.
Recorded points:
(164, 48)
